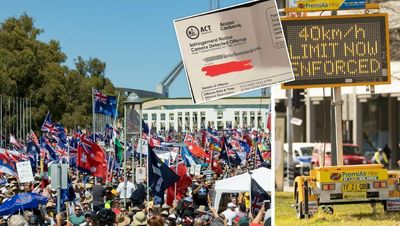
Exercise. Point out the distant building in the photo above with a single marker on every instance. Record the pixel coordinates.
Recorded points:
(181, 114)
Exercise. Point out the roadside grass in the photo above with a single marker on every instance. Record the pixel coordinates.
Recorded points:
(353, 215)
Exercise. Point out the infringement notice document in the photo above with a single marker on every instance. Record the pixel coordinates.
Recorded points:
(233, 50)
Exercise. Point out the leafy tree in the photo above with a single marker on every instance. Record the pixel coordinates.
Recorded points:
(30, 68)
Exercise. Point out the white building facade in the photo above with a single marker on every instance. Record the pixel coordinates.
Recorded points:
(180, 114)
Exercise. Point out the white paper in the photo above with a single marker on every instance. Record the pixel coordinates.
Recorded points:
(233, 50)
(24, 170)
(140, 174)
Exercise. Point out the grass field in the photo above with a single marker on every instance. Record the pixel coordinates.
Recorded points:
(353, 215)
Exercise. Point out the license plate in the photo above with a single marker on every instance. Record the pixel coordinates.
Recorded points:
(355, 195)
(355, 187)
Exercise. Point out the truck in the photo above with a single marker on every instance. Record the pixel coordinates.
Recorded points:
(350, 184)
(302, 155)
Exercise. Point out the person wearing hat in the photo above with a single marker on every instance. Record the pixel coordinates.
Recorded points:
(165, 213)
(380, 158)
(230, 213)
(185, 207)
(85, 205)
(171, 220)
(122, 219)
(201, 210)
(139, 219)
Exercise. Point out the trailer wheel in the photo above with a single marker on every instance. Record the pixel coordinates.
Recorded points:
(299, 210)
(328, 210)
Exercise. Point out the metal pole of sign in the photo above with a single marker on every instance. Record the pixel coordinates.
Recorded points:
(59, 188)
(125, 146)
(289, 134)
(337, 101)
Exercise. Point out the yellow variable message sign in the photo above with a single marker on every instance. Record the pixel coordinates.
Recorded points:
(338, 50)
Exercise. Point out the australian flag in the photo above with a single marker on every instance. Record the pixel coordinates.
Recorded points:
(47, 125)
(258, 196)
(160, 176)
(106, 105)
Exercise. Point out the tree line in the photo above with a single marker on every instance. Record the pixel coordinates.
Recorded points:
(30, 68)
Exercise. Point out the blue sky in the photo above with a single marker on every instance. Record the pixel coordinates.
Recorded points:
(136, 39)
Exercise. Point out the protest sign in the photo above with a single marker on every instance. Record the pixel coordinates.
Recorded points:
(24, 170)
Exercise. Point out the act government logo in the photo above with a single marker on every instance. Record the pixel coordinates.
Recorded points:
(192, 32)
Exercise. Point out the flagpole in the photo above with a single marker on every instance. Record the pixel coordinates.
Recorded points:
(94, 117)
(176, 169)
(30, 114)
(140, 134)
(250, 191)
(125, 146)
(22, 120)
(1, 121)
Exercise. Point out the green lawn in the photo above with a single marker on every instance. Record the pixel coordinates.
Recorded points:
(353, 215)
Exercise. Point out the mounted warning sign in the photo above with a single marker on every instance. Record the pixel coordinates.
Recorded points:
(331, 51)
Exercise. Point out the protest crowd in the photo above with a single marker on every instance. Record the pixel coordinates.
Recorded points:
(175, 185)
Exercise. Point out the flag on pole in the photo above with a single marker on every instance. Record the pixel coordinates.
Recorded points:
(184, 182)
(119, 150)
(106, 105)
(258, 195)
(160, 176)
(47, 125)
(7, 169)
(196, 150)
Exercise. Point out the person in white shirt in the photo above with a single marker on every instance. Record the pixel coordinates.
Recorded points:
(230, 213)
(130, 187)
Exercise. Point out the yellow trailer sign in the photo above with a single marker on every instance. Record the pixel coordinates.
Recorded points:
(352, 175)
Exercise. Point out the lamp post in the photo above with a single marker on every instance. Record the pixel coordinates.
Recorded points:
(132, 100)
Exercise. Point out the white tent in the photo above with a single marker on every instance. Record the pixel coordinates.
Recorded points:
(241, 183)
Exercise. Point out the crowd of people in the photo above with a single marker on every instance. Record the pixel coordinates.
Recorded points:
(120, 200)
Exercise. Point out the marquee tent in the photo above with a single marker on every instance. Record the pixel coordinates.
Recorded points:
(241, 183)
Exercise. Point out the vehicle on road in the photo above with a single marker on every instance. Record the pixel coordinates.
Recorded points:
(302, 155)
(352, 155)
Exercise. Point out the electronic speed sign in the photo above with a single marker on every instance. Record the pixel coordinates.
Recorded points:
(331, 51)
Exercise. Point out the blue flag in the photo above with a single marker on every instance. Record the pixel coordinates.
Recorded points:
(106, 105)
(160, 176)
(188, 158)
(244, 146)
(258, 196)
(52, 154)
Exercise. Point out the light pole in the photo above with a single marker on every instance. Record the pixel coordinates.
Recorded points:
(132, 100)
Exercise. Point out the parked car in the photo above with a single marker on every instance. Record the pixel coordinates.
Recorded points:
(352, 155)
(302, 155)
